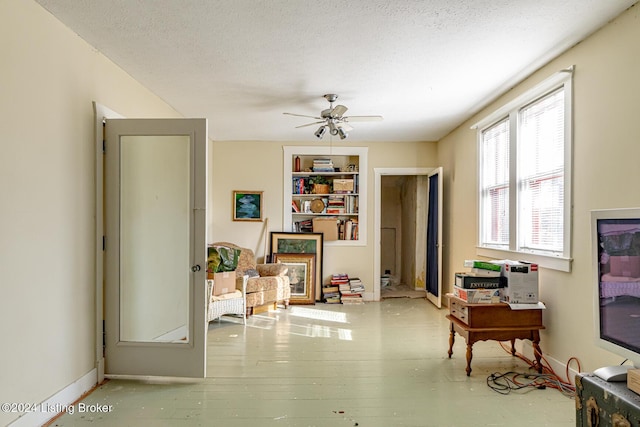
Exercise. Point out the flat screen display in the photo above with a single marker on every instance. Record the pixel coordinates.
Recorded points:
(617, 257)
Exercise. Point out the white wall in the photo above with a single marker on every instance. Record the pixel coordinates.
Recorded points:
(606, 170)
(49, 78)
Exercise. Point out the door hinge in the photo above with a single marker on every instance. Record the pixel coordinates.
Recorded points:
(104, 243)
(104, 136)
(104, 340)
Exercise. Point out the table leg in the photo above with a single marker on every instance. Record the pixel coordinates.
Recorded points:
(513, 347)
(469, 357)
(538, 355)
(452, 339)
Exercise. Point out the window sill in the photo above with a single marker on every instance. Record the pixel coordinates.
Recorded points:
(550, 262)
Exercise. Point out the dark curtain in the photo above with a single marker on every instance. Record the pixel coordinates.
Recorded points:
(432, 236)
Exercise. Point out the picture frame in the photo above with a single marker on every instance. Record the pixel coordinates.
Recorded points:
(305, 243)
(301, 276)
(247, 205)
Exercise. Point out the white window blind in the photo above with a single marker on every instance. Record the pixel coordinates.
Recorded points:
(541, 174)
(495, 184)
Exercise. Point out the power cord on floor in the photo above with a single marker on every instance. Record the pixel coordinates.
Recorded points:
(504, 383)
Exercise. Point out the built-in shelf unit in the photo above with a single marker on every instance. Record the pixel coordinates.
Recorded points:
(344, 170)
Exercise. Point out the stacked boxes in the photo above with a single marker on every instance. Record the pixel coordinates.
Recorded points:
(514, 282)
(478, 289)
(522, 282)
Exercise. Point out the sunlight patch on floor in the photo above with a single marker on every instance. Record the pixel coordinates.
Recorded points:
(314, 313)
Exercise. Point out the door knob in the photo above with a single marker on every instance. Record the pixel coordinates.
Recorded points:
(195, 268)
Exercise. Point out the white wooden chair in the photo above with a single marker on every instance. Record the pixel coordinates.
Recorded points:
(231, 303)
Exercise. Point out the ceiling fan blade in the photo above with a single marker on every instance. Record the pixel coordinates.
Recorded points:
(302, 115)
(311, 124)
(362, 118)
(338, 111)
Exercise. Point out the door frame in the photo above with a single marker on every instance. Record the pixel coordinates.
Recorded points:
(101, 113)
(377, 216)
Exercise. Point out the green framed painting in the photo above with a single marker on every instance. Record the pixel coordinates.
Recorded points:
(247, 205)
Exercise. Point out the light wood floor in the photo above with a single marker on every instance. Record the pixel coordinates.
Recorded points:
(382, 364)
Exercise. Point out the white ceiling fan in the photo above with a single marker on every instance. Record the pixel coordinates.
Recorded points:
(333, 118)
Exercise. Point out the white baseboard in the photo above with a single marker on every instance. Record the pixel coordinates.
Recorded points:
(368, 296)
(57, 403)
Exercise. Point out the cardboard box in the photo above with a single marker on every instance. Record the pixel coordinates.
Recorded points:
(224, 282)
(470, 281)
(633, 380)
(478, 296)
(343, 185)
(327, 226)
(522, 282)
(624, 266)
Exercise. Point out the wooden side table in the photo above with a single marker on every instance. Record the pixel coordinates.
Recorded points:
(481, 322)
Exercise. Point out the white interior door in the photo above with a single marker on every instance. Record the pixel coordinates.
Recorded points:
(434, 237)
(155, 252)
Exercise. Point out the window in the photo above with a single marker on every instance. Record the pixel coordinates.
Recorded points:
(524, 176)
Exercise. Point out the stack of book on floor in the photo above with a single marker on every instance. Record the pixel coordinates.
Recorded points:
(482, 284)
(352, 293)
(331, 292)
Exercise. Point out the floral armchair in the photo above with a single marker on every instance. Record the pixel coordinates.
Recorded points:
(267, 284)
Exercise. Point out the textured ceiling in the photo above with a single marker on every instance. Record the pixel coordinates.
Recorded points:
(426, 66)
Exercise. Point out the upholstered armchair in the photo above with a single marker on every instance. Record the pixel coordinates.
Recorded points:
(267, 284)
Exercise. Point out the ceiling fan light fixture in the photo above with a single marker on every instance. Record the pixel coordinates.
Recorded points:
(334, 120)
(320, 132)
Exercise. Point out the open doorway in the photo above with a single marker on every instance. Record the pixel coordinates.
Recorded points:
(403, 211)
(402, 221)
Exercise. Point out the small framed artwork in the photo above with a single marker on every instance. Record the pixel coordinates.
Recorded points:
(247, 205)
(301, 276)
(301, 243)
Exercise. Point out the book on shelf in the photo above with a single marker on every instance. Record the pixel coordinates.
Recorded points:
(322, 165)
(298, 185)
(304, 226)
(294, 206)
(348, 229)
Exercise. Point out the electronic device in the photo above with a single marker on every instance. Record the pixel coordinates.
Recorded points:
(615, 235)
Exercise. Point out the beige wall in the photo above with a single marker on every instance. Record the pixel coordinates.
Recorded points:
(258, 166)
(49, 79)
(606, 150)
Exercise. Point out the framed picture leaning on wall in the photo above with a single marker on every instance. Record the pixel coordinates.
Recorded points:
(301, 276)
(301, 243)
